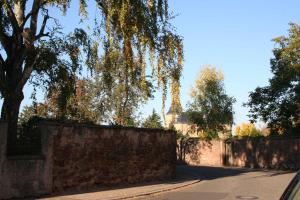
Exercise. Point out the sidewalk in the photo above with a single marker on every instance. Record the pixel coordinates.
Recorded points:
(183, 179)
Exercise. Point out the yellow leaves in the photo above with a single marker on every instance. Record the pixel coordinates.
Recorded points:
(179, 47)
(82, 8)
(123, 14)
(140, 28)
(152, 58)
(247, 130)
(209, 72)
(208, 76)
(128, 53)
(175, 91)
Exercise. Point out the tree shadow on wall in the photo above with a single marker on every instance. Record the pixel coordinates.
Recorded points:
(191, 148)
(264, 153)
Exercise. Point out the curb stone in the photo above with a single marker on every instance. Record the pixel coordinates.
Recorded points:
(167, 189)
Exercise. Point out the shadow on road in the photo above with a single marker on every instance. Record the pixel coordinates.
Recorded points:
(210, 172)
(184, 173)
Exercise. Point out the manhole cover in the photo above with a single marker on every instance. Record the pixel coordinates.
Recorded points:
(246, 197)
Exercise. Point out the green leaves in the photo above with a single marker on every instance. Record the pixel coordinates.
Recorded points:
(211, 109)
(119, 91)
(278, 104)
(146, 31)
(135, 29)
(152, 121)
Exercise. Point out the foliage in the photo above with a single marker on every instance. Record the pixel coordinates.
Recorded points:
(153, 121)
(247, 130)
(211, 108)
(182, 144)
(78, 106)
(278, 104)
(32, 45)
(30, 111)
(118, 91)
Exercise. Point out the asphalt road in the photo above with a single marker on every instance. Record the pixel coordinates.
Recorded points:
(229, 184)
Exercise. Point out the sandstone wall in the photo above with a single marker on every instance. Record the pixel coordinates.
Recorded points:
(268, 153)
(264, 153)
(85, 156)
(204, 152)
(22, 176)
(77, 156)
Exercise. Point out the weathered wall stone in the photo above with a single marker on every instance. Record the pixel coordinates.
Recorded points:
(252, 152)
(22, 176)
(204, 152)
(264, 153)
(85, 156)
(81, 156)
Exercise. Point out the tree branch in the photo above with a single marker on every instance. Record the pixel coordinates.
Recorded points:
(25, 19)
(102, 6)
(4, 39)
(34, 16)
(41, 33)
(11, 15)
(28, 69)
(2, 74)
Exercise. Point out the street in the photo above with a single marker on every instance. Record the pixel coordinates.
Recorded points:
(220, 183)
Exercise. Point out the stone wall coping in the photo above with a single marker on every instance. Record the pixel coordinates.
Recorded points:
(205, 140)
(261, 138)
(86, 125)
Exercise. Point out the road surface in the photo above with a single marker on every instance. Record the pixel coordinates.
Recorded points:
(220, 183)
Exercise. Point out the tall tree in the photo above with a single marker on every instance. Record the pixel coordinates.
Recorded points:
(211, 109)
(278, 104)
(152, 121)
(137, 26)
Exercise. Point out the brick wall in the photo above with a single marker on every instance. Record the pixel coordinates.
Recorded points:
(85, 156)
(252, 152)
(22, 176)
(264, 153)
(82, 156)
(204, 152)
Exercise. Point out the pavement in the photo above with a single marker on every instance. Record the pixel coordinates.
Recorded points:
(207, 183)
(221, 183)
(183, 178)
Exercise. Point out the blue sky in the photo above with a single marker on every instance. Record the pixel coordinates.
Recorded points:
(233, 35)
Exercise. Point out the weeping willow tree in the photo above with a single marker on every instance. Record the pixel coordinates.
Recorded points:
(119, 92)
(147, 33)
(28, 38)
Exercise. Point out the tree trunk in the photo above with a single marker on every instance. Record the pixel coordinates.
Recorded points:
(10, 113)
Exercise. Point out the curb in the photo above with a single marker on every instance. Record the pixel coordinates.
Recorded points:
(155, 191)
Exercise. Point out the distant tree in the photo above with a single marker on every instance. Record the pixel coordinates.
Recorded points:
(29, 111)
(278, 104)
(78, 106)
(247, 130)
(153, 121)
(211, 109)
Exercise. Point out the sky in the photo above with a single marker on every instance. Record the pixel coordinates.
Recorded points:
(233, 35)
